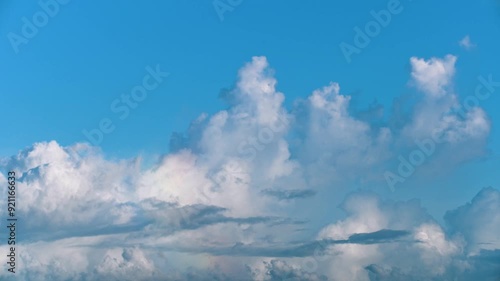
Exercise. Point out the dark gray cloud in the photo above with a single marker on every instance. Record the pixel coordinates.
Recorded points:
(381, 236)
(190, 217)
(284, 194)
(302, 249)
(150, 218)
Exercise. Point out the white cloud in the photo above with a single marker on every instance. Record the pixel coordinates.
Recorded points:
(478, 221)
(459, 133)
(367, 213)
(433, 76)
(125, 264)
(207, 204)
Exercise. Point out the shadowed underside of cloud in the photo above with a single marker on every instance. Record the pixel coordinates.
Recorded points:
(304, 249)
(289, 194)
(172, 219)
(381, 236)
(219, 206)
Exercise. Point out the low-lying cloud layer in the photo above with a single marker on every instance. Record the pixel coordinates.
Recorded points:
(232, 199)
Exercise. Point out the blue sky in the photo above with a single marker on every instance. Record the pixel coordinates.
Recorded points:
(87, 55)
(66, 78)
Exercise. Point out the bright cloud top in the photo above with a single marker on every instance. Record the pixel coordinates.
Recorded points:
(434, 75)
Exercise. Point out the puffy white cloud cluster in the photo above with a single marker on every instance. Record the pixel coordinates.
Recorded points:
(226, 204)
(433, 76)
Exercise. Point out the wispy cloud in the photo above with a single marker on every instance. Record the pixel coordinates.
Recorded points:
(466, 43)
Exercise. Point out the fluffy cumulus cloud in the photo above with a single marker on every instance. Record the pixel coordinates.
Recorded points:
(440, 114)
(478, 221)
(232, 199)
(433, 76)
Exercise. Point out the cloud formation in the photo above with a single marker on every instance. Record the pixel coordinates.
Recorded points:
(232, 199)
